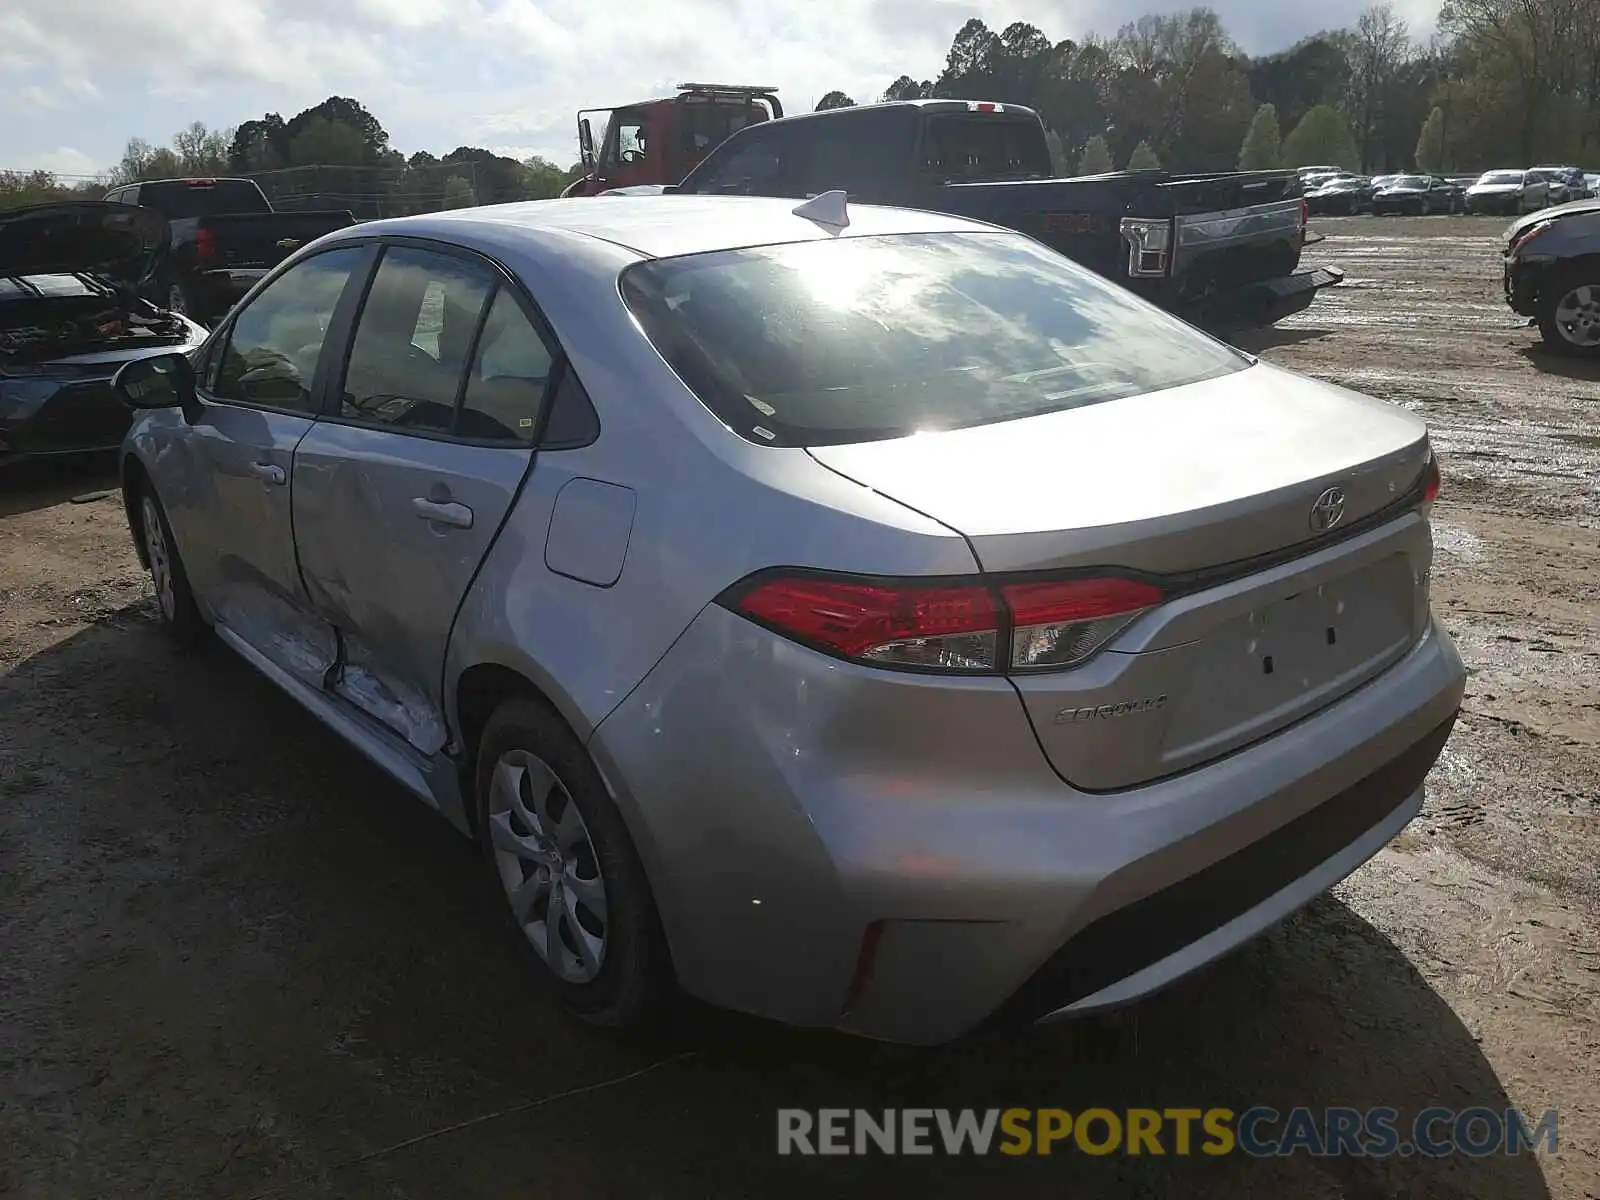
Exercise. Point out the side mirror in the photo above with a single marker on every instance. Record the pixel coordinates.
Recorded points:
(162, 381)
(586, 145)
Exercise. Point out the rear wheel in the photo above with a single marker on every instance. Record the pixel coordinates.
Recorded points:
(1569, 312)
(175, 603)
(565, 870)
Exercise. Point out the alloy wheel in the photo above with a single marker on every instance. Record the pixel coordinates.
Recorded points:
(155, 546)
(1577, 316)
(547, 866)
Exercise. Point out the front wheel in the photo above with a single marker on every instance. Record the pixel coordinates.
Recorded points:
(1569, 313)
(175, 604)
(569, 881)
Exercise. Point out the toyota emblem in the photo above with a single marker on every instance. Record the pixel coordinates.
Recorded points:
(1328, 510)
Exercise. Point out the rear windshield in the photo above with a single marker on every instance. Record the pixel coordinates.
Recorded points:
(984, 149)
(177, 201)
(861, 338)
(1502, 177)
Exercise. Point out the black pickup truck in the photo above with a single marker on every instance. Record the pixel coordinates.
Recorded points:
(225, 237)
(1221, 250)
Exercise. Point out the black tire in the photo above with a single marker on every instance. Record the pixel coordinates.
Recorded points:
(175, 604)
(634, 983)
(1552, 291)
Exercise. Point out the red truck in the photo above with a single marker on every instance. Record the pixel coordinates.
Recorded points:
(661, 141)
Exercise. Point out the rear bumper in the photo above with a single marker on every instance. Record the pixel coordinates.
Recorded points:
(1257, 305)
(892, 855)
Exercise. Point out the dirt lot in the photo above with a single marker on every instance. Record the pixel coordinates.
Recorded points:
(236, 961)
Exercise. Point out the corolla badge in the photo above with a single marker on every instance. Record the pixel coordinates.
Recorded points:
(1107, 712)
(1328, 510)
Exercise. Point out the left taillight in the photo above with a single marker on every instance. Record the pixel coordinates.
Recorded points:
(959, 627)
(205, 245)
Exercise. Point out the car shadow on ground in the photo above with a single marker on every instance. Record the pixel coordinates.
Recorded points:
(1256, 341)
(246, 964)
(1569, 366)
(43, 483)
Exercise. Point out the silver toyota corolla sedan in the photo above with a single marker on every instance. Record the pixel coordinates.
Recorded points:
(858, 617)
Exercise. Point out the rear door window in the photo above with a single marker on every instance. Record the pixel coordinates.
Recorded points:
(413, 340)
(509, 378)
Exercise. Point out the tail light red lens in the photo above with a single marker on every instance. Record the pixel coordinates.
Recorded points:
(1431, 483)
(949, 628)
(963, 628)
(1060, 624)
(205, 245)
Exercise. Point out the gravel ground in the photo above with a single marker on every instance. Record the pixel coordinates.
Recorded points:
(235, 961)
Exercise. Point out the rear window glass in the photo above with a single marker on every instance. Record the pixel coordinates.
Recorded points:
(178, 201)
(862, 338)
(984, 148)
(1502, 177)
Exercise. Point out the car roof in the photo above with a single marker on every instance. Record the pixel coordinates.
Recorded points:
(663, 226)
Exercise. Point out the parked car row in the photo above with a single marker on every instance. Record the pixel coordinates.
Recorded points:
(1513, 192)
(1332, 192)
(1344, 194)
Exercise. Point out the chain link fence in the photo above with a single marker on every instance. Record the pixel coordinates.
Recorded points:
(374, 192)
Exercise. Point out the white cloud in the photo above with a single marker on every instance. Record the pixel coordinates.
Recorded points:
(68, 160)
(442, 73)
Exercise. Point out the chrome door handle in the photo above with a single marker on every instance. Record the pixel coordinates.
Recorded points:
(268, 472)
(445, 512)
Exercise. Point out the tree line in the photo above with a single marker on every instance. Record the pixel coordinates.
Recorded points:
(332, 155)
(1501, 83)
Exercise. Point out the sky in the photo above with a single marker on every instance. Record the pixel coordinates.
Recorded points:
(78, 78)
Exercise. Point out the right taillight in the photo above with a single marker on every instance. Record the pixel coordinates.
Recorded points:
(960, 627)
(1430, 484)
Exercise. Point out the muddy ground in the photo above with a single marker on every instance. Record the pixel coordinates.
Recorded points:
(235, 961)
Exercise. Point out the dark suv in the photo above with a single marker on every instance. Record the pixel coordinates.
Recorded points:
(1552, 273)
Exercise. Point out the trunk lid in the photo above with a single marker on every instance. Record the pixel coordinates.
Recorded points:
(118, 242)
(1210, 487)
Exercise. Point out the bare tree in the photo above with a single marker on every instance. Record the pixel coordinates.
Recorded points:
(1380, 48)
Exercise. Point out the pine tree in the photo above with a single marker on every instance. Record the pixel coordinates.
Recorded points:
(1430, 145)
(1323, 137)
(1143, 158)
(1096, 157)
(1263, 144)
